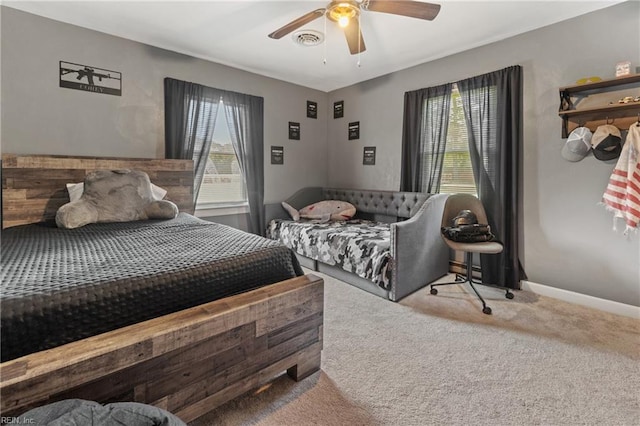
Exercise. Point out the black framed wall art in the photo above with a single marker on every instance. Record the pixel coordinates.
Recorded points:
(354, 130)
(369, 156)
(90, 79)
(277, 154)
(312, 109)
(338, 109)
(294, 131)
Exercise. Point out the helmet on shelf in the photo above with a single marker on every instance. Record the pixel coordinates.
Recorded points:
(465, 217)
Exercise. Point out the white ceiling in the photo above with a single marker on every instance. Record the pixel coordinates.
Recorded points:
(235, 32)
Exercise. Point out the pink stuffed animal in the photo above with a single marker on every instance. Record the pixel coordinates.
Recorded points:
(323, 211)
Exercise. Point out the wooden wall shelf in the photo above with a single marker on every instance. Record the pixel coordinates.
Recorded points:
(625, 108)
(630, 79)
(620, 114)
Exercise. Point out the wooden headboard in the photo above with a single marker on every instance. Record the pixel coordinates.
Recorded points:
(34, 186)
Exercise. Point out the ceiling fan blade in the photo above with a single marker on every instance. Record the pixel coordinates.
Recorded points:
(354, 38)
(413, 9)
(295, 24)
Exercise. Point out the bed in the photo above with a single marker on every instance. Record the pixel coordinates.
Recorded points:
(183, 329)
(358, 246)
(390, 248)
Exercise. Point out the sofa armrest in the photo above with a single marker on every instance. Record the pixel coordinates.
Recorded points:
(274, 211)
(419, 252)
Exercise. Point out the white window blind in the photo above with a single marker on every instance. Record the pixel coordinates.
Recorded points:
(222, 183)
(457, 174)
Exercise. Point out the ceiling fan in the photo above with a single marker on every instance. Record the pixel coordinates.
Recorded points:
(345, 11)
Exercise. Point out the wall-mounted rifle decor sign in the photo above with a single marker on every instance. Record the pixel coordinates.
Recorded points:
(90, 79)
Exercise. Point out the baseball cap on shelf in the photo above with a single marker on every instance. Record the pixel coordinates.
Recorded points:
(606, 142)
(578, 144)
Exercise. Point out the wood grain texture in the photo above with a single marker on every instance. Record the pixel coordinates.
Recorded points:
(188, 362)
(33, 186)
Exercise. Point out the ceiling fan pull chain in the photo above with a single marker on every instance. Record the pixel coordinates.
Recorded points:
(324, 60)
(359, 39)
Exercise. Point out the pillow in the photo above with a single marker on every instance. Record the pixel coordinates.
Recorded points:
(114, 196)
(292, 212)
(323, 211)
(80, 411)
(75, 191)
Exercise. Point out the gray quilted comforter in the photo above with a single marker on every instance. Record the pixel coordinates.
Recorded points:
(61, 285)
(358, 246)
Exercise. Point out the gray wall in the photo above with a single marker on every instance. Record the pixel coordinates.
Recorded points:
(568, 242)
(39, 117)
(568, 238)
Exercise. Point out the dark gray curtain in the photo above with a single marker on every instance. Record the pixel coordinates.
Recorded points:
(424, 136)
(245, 115)
(190, 112)
(493, 113)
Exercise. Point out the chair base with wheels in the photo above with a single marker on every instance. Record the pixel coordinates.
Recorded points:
(461, 279)
(455, 204)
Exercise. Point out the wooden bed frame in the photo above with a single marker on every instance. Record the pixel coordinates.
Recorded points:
(188, 362)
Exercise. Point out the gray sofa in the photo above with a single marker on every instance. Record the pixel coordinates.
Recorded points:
(419, 254)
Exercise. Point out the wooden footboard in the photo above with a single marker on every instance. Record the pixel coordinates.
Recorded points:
(187, 362)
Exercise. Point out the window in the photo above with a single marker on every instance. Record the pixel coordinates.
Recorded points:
(492, 108)
(222, 182)
(457, 174)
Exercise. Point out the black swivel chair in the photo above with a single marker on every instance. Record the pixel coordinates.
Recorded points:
(454, 204)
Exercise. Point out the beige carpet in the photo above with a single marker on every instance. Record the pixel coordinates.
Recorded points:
(437, 360)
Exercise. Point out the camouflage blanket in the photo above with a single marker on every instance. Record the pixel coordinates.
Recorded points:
(357, 246)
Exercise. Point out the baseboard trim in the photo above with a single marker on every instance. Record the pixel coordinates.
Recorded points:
(583, 299)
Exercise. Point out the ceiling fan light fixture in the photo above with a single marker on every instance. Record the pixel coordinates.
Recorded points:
(342, 12)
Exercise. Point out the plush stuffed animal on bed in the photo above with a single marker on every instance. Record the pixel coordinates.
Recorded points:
(114, 196)
(322, 211)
